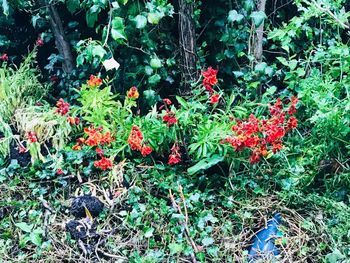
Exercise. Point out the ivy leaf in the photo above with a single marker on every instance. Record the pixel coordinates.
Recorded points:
(91, 16)
(207, 241)
(123, 2)
(73, 5)
(234, 16)
(175, 248)
(24, 227)
(149, 232)
(35, 20)
(153, 80)
(258, 17)
(154, 18)
(205, 164)
(141, 21)
(99, 51)
(150, 97)
(118, 29)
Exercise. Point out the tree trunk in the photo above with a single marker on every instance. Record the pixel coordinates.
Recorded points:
(187, 41)
(258, 41)
(62, 45)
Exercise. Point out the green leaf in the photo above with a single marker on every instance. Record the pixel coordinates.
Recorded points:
(24, 227)
(5, 7)
(153, 80)
(260, 67)
(155, 63)
(99, 51)
(207, 241)
(175, 248)
(35, 238)
(123, 2)
(149, 232)
(150, 97)
(258, 17)
(154, 18)
(141, 21)
(91, 17)
(234, 16)
(73, 5)
(118, 28)
(205, 164)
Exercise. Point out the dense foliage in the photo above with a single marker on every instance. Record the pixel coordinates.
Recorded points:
(94, 101)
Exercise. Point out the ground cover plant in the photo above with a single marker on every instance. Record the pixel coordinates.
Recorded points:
(174, 131)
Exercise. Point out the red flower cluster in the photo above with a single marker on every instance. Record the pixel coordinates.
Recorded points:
(133, 93)
(170, 118)
(62, 107)
(53, 78)
(4, 57)
(22, 149)
(135, 138)
(39, 42)
(73, 120)
(77, 146)
(214, 98)
(104, 164)
(146, 150)
(292, 108)
(59, 171)
(167, 101)
(258, 135)
(94, 81)
(209, 79)
(96, 137)
(175, 156)
(31, 136)
(135, 141)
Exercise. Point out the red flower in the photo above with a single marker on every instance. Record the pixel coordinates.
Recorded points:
(99, 151)
(31, 136)
(209, 78)
(146, 150)
(292, 123)
(39, 42)
(277, 146)
(106, 138)
(73, 120)
(94, 81)
(59, 171)
(292, 108)
(255, 157)
(214, 99)
(76, 147)
(133, 93)
(22, 149)
(62, 107)
(53, 78)
(175, 156)
(277, 108)
(80, 141)
(4, 57)
(135, 138)
(104, 164)
(170, 118)
(167, 101)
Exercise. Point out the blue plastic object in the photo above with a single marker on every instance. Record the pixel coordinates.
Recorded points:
(264, 241)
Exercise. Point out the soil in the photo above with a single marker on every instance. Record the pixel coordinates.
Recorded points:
(93, 204)
(23, 159)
